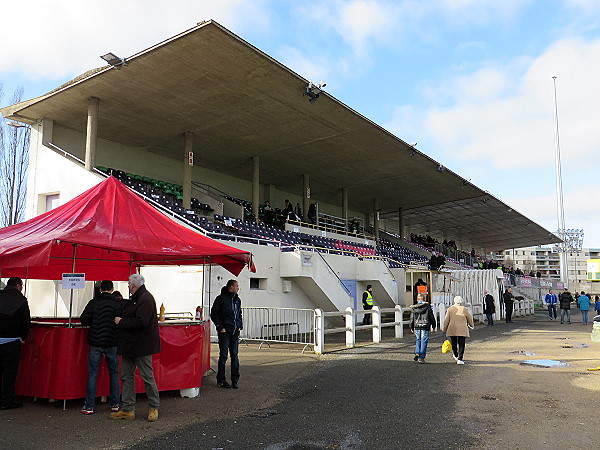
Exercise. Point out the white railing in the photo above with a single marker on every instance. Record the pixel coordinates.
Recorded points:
(351, 326)
(307, 327)
(524, 307)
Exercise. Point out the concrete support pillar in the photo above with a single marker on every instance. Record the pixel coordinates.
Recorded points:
(91, 137)
(345, 204)
(376, 218)
(255, 185)
(305, 195)
(188, 163)
(401, 222)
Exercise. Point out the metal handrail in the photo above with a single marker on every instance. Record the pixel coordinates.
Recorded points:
(336, 275)
(325, 228)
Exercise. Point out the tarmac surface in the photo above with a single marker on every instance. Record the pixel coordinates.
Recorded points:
(372, 396)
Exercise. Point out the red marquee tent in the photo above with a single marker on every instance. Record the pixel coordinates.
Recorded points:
(106, 233)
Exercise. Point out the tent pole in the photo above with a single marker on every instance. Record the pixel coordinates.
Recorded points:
(209, 285)
(71, 296)
(26, 281)
(203, 285)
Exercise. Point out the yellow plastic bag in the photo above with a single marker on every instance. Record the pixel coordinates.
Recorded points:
(446, 346)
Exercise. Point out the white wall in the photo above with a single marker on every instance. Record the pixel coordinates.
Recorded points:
(178, 288)
(144, 162)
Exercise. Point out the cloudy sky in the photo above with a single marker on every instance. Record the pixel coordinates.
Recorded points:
(469, 80)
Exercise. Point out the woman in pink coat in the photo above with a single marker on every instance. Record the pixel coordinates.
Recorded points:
(456, 326)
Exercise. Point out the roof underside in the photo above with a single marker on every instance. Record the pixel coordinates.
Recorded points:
(239, 102)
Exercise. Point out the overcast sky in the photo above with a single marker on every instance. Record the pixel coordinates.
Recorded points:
(469, 80)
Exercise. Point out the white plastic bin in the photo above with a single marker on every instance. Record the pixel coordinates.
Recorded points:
(190, 393)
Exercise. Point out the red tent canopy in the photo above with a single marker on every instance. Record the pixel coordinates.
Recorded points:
(111, 231)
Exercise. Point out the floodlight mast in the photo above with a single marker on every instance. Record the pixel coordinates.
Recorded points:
(559, 196)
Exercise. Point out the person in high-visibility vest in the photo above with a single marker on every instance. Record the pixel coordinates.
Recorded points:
(367, 301)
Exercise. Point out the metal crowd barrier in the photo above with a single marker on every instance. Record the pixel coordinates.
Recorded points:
(270, 325)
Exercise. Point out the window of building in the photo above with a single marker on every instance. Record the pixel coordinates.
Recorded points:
(258, 283)
(52, 201)
(47, 202)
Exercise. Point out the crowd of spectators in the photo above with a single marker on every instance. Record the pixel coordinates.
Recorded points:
(472, 259)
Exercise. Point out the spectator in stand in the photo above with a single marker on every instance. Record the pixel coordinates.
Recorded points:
(489, 308)
(353, 226)
(519, 272)
(565, 300)
(312, 214)
(441, 260)
(509, 300)
(551, 300)
(268, 213)
(584, 306)
(597, 305)
(433, 262)
(531, 274)
(298, 213)
(288, 211)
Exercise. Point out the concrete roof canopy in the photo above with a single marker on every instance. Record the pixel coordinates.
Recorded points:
(241, 103)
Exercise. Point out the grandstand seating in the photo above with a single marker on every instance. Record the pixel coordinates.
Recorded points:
(170, 196)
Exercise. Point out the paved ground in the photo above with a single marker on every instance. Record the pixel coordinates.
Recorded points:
(369, 397)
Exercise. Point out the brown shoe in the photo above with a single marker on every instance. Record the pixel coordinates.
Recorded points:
(152, 415)
(125, 415)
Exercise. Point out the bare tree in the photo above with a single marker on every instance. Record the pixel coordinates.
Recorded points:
(14, 157)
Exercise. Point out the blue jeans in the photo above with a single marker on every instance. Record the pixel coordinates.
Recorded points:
(112, 362)
(228, 343)
(490, 318)
(564, 312)
(551, 309)
(584, 315)
(421, 344)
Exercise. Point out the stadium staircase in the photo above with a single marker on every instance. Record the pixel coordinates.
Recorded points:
(315, 276)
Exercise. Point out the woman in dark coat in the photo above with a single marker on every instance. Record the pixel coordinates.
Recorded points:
(489, 307)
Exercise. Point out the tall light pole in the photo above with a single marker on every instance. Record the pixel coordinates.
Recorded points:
(559, 195)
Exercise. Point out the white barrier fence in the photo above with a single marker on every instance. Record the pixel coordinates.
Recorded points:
(307, 327)
(351, 325)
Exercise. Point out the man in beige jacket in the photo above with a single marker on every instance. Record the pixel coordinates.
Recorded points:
(456, 326)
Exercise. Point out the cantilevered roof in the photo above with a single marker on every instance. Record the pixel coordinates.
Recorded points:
(239, 102)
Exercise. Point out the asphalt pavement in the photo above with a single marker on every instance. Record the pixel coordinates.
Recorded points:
(370, 397)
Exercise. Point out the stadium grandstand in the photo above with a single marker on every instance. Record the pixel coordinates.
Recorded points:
(208, 129)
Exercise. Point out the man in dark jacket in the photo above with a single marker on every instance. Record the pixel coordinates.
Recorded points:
(99, 315)
(489, 307)
(138, 340)
(226, 314)
(422, 321)
(565, 300)
(433, 262)
(15, 321)
(509, 300)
